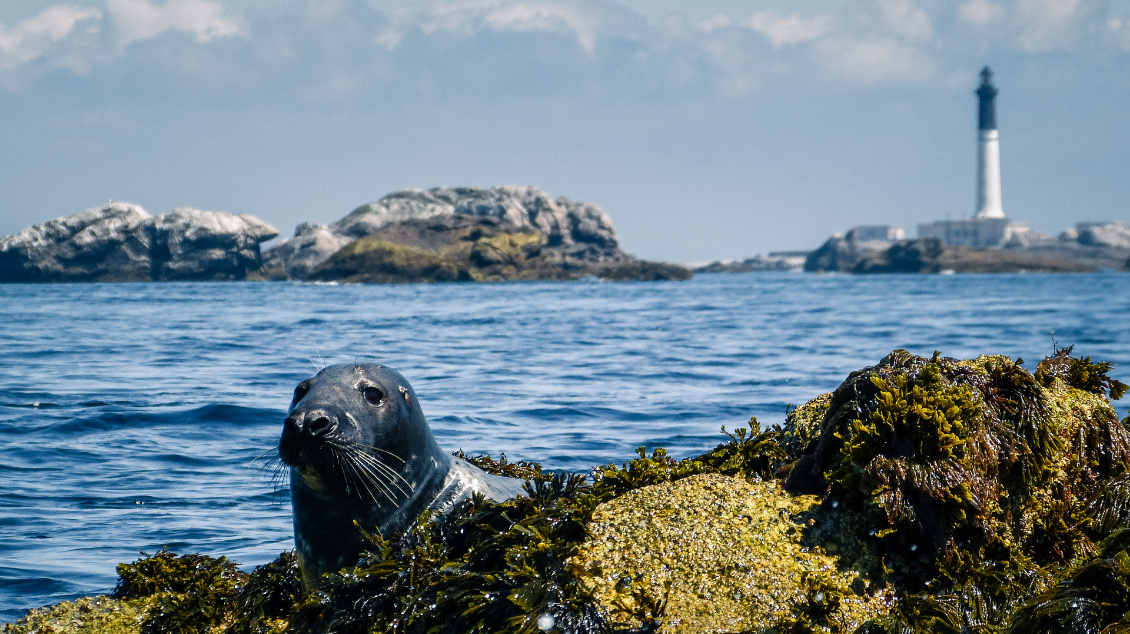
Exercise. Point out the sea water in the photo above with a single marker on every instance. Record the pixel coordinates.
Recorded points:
(140, 416)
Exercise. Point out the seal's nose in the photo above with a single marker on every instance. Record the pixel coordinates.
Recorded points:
(303, 432)
(316, 423)
(320, 426)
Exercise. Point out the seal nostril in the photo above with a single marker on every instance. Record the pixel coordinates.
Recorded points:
(320, 426)
(293, 423)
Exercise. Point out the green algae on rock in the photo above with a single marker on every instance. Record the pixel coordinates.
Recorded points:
(87, 615)
(968, 485)
(722, 553)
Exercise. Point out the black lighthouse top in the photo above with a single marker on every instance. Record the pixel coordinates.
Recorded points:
(987, 94)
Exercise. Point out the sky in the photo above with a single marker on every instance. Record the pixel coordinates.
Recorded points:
(707, 130)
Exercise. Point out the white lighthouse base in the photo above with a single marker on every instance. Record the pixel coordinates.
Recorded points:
(989, 175)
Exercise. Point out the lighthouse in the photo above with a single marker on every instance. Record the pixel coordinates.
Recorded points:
(988, 228)
(988, 150)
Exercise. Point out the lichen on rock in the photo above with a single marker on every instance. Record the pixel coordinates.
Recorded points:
(721, 553)
(87, 615)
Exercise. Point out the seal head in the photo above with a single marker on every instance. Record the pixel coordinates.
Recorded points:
(360, 450)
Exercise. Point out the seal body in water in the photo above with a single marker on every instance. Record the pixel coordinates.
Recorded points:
(360, 450)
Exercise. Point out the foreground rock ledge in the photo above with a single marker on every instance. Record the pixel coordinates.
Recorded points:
(925, 494)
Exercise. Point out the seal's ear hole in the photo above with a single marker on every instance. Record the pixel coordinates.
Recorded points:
(407, 398)
(372, 394)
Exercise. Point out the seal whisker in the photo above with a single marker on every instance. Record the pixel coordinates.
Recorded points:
(377, 470)
(363, 472)
(358, 481)
(320, 357)
(378, 477)
(385, 451)
(273, 466)
(348, 473)
(389, 472)
(367, 452)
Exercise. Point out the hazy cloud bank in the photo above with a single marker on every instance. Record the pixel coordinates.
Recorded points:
(337, 49)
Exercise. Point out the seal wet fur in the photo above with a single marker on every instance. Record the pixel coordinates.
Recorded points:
(360, 450)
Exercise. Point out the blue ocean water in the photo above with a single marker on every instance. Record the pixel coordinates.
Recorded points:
(136, 416)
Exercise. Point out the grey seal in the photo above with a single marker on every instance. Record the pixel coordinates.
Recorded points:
(360, 450)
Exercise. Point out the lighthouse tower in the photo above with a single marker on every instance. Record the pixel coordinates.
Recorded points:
(988, 228)
(988, 150)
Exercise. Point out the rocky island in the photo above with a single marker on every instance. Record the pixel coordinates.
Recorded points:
(450, 234)
(444, 234)
(1097, 246)
(923, 495)
(121, 242)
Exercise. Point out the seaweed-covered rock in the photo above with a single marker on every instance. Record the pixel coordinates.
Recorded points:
(86, 615)
(721, 554)
(968, 485)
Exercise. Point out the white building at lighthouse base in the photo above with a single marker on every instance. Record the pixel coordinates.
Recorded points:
(982, 233)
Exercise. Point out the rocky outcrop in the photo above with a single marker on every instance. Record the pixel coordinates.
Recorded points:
(121, 242)
(462, 234)
(1107, 234)
(927, 255)
(784, 261)
(842, 253)
(464, 248)
(1099, 245)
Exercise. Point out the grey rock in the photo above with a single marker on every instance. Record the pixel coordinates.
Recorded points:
(928, 255)
(842, 253)
(295, 258)
(786, 261)
(1025, 239)
(1107, 234)
(121, 242)
(581, 230)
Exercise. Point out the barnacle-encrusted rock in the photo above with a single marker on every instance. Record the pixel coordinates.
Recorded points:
(802, 425)
(723, 553)
(87, 615)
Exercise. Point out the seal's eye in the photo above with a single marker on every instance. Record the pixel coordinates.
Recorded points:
(299, 392)
(372, 394)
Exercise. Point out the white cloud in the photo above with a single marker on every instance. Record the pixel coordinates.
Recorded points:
(1118, 32)
(1046, 25)
(586, 22)
(875, 59)
(789, 29)
(33, 37)
(981, 12)
(136, 20)
(906, 20)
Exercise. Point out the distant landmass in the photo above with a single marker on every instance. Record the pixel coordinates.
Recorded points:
(1097, 246)
(1091, 246)
(440, 234)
